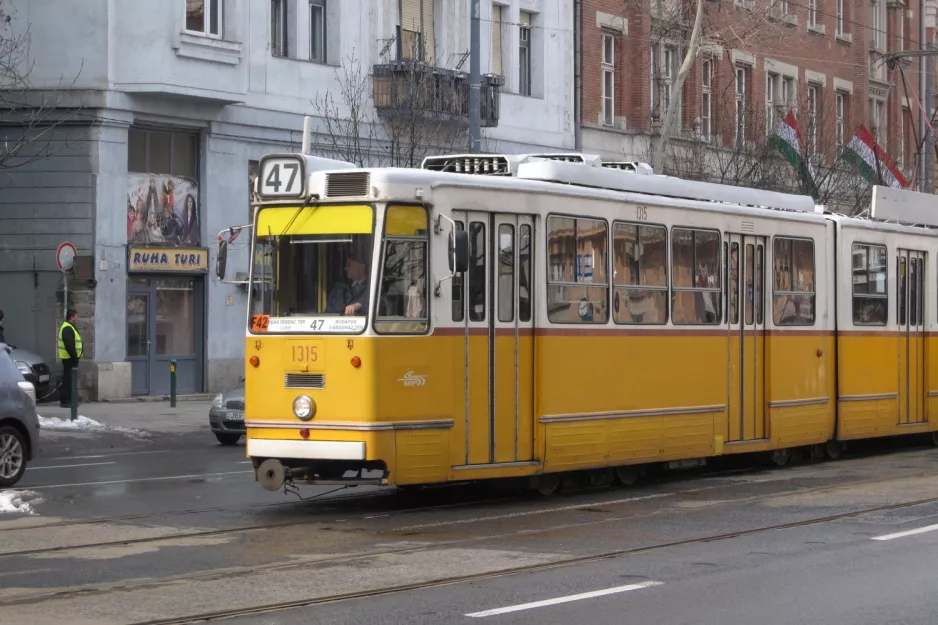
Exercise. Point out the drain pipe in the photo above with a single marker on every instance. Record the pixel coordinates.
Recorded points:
(577, 78)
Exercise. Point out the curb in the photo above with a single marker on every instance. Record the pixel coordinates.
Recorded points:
(155, 398)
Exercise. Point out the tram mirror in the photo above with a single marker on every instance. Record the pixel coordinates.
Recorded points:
(459, 251)
(221, 262)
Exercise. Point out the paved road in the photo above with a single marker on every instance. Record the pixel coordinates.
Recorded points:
(179, 528)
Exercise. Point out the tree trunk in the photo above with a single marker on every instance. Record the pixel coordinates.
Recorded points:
(670, 116)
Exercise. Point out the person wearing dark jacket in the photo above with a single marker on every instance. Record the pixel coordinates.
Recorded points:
(2, 337)
(70, 352)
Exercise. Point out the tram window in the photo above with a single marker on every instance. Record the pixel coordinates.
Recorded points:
(506, 272)
(903, 285)
(402, 299)
(476, 271)
(640, 274)
(913, 292)
(578, 288)
(733, 288)
(750, 285)
(697, 295)
(524, 273)
(870, 299)
(459, 289)
(793, 302)
(760, 278)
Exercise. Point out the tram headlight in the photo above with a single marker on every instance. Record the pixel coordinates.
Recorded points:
(303, 407)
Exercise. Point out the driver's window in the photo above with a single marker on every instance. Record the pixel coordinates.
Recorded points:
(403, 301)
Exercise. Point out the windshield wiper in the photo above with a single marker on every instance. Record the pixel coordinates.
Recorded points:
(295, 215)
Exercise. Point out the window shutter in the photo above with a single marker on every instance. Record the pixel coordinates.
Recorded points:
(525, 18)
(429, 42)
(496, 39)
(409, 20)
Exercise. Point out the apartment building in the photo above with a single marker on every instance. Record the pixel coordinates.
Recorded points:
(167, 106)
(825, 60)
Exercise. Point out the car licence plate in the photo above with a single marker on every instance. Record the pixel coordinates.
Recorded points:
(234, 416)
(44, 378)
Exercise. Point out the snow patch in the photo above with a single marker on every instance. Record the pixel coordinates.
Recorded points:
(18, 501)
(84, 424)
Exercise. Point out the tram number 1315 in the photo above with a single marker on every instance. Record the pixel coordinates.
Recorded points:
(641, 213)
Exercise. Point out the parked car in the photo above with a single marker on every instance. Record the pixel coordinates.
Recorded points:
(19, 424)
(226, 416)
(34, 369)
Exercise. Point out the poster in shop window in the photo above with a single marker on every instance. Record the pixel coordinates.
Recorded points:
(162, 209)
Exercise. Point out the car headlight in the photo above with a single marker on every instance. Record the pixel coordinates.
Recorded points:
(303, 407)
(23, 367)
(218, 402)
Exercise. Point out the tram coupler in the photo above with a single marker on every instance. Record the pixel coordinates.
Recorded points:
(273, 475)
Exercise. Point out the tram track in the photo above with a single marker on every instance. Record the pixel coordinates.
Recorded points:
(532, 568)
(225, 573)
(245, 529)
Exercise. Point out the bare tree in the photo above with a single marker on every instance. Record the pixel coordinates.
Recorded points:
(393, 114)
(32, 119)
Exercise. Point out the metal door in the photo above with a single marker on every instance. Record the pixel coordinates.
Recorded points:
(499, 350)
(911, 310)
(746, 312)
(138, 341)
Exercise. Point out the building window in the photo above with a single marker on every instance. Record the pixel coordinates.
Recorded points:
(878, 40)
(814, 103)
(793, 303)
(497, 40)
(812, 13)
(839, 27)
(742, 78)
(902, 142)
(524, 54)
(160, 152)
(278, 28)
(771, 90)
(706, 100)
(870, 297)
(640, 274)
(877, 122)
(696, 294)
(787, 99)
(609, 78)
(577, 287)
(840, 117)
(204, 17)
(778, 8)
(415, 38)
(900, 29)
(317, 31)
(663, 71)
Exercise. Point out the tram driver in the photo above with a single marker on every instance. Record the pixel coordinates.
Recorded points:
(350, 298)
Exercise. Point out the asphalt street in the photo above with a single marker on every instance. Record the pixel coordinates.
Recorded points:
(176, 528)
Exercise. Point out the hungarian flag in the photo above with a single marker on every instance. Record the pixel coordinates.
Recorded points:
(787, 140)
(864, 152)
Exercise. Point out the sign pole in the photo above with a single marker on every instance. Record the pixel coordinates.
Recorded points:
(65, 298)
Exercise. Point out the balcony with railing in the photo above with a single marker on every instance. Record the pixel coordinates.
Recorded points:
(410, 88)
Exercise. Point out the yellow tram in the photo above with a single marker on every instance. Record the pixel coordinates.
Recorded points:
(495, 316)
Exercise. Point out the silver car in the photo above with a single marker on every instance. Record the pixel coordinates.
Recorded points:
(226, 417)
(19, 425)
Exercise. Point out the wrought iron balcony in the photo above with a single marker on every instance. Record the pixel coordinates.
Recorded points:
(405, 89)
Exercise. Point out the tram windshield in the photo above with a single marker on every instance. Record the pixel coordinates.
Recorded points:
(312, 269)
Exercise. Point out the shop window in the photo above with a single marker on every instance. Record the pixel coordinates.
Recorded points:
(160, 152)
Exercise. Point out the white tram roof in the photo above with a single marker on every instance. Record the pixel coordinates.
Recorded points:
(577, 174)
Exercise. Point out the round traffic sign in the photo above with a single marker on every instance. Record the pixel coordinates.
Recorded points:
(65, 256)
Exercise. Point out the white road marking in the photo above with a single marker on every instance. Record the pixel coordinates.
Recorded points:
(246, 462)
(129, 453)
(142, 479)
(921, 530)
(69, 466)
(567, 599)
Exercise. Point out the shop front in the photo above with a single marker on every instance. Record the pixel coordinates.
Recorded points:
(165, 318)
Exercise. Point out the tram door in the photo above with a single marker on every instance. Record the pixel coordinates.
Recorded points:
(910, 313)
(499, 343)
(746, 311)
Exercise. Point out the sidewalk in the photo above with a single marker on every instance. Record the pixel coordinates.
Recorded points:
(151, 417)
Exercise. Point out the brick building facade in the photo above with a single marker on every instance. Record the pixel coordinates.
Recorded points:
(823, 59)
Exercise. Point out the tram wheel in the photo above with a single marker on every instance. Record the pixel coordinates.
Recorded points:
(546, 484)
(781, 457)
(626, 476)
(833, 449)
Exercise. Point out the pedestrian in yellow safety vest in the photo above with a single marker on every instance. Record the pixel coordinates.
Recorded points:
(69, 352)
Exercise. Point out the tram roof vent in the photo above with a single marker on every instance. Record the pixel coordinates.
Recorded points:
(904, 206)
(632, 166)
(502, 164)
(665, 186)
